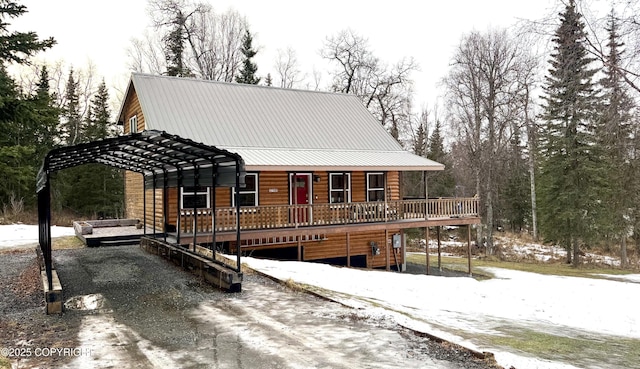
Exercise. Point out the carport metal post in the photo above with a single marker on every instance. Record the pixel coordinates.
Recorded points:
(144, 207)
(165, 203)
(237, 199)
(213, 207)
(154, 204)
(44, 222)
(179, 206)
(196, 184)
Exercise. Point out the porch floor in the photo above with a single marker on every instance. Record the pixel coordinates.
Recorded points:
(116, 235)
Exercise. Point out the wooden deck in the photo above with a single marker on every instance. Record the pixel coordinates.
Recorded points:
(365, 215)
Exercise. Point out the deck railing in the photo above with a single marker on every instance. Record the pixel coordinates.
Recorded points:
(291, 216)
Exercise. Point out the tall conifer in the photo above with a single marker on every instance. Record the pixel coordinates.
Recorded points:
(615, 136)
(249, 68)
(571, 171)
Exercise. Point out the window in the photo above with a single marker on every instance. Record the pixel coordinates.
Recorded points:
(133, 124)
(249, 194)
(375, 186)
(339, 185)
(195, 197)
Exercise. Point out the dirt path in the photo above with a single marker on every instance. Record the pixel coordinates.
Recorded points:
(130, 309)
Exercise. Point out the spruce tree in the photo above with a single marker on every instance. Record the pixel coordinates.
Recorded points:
(441, 183)
(516, 195)
(72, 117)
(571, 171)
(46, 114)
(96, 190)
(249, 68)
(97, 124)
(615, 136)
(18, 46)
(174, 48)
(19, 145)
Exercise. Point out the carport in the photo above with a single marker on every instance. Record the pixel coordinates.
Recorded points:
(164, 160)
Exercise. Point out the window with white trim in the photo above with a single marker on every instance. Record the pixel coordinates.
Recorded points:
(133, 124)
(375, 187)
(195, 197)
(339, 186)
(248, 194)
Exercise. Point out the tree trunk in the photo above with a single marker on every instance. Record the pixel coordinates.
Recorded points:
(489, 223)
(532, 178)
(479, 242)
(576, 253)
(624, 262)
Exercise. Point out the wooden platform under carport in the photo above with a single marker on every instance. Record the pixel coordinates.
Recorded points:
(213, 271)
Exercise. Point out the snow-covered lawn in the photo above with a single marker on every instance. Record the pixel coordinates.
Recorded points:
(467, 311)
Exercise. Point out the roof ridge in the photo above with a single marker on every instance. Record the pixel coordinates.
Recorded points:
(241, 85)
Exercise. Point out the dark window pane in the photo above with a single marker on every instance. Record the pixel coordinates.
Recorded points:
(247, 199)
(376, 195)
(194, 201)
(250, 181)
(337, 182)
(192, 189)
(376, 181)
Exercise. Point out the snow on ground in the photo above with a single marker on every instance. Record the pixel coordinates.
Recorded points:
(459, 309)
(24, 234)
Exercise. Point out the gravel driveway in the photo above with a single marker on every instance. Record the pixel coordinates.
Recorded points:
(130, 309)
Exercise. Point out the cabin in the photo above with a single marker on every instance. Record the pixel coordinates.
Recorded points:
(323, 177)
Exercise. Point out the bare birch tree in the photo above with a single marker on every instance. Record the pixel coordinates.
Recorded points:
(212, 41)
(385, 90)
(482, 97)
(288, 68)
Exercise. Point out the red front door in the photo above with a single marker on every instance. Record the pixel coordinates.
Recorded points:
(300, 196)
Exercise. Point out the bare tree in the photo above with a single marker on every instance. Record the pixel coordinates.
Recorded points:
(288, 68)
(483, 101)
(212, 41)
(146, 54)
(385, 90)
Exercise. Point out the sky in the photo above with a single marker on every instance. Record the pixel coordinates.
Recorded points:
(101, 31)
(593, 310)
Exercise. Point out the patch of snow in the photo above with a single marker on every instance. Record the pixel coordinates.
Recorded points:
(93, 301)
(25, 234)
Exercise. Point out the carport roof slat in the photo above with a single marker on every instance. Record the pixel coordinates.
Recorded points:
(148, 152)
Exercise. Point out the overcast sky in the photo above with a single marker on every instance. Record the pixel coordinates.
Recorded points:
(101, 31)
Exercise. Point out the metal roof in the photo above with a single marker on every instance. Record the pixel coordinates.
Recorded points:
(334, 160)
(154, 154)
(273, 128)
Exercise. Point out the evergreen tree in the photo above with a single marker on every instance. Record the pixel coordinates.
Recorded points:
(249, 68)
(441, 183)
(268, 81)
(20, 141)
(571, 172)
(94, 190)
(420, 141)
(97, 124)
(516, 195)
(174, 48)
(615, 136)
(18, 46)
(72, 117)
(17, 151)
(46, 114)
